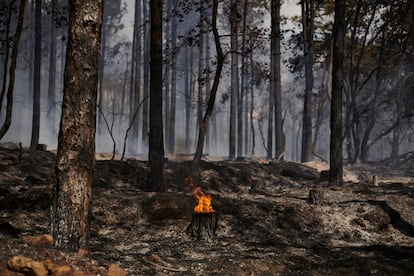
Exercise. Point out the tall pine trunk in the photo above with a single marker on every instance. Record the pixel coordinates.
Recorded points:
(71, 209)
(156, 136)
(336, 171)
(234, 86)
(146, 68)
(171, 138)
(51, 94)
(276, 79)
(188, 96)
(12, 70)
(36, 77)
(308, 14)
(135, 81)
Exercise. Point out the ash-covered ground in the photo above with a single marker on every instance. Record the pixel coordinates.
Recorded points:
(265, 224)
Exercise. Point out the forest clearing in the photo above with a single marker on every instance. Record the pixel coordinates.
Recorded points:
(265, 224)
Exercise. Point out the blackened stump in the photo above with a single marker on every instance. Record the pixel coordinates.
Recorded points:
(316, 197)
(203, 226)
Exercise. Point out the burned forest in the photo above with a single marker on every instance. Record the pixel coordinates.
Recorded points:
(206, 137)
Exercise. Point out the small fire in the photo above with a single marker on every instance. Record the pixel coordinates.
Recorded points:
(204, 200)
(262, 161)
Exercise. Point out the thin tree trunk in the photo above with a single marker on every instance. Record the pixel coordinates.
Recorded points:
(75, 164)
(187, 96)
(244, 88)
(171, 138)
(51, 98)
(7, 52)
(12, 72)
(307, 22)
(201, 68)
(234, 79)
(146, 65)
(167, 78)
(239, 104)
(276, 80)
(336, 170)
(36, 77)
(213, 92)
(253, 132)
(135, 86)
(101, 92)
(156, 135)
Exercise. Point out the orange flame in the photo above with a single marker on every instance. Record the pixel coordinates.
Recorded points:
(204, 200)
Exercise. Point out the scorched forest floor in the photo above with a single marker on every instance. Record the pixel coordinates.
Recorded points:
(265, 226)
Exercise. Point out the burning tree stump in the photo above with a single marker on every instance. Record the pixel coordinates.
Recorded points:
(204, 219)
(203, 226)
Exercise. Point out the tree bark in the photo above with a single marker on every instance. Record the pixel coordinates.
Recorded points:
(234, 87)
(12, 71)
(243, 89)
(276, 85)
(307, 22)
(75, 164)
(201, 67)
(336, 170)
(188, 95)
(171, 138)
(135, 82)
(51, 94)
(213, 92)
(36, 77)
(156, 136)
(145, 76)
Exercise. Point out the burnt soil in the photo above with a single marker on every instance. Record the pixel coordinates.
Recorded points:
(265, 224)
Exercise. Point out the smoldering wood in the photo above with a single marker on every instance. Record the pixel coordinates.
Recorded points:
(203, 226)
(291, 169)
(324, 176)
(316, 197)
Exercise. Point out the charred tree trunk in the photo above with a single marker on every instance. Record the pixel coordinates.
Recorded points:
(135, 81)
(75, 162)
(51, 94)
(336, 170)
(187, 96)
(12, 71)
(308, 14)
(234, 79)
(156, 135)
(276, 80)
(145, 76)
(36, 77)
(213, 92)
(173, 104)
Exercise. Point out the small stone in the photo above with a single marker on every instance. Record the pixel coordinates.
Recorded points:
(27, 266)
(44, 240)
(80, 273)
(63, 270)
(6, 272)
(116, 270)
(48, 263)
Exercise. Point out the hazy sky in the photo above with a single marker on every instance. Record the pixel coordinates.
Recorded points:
(288, 9)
